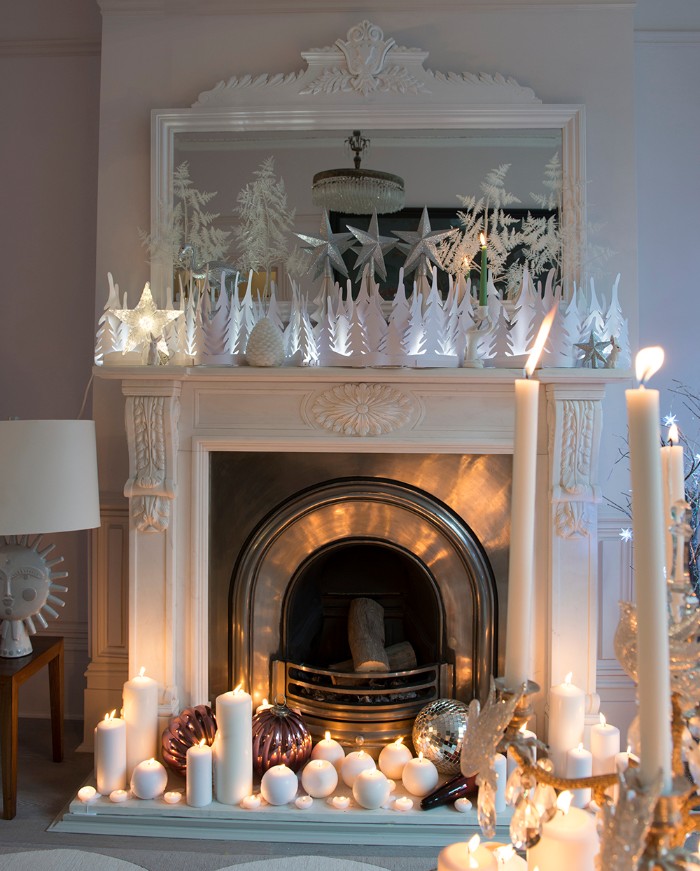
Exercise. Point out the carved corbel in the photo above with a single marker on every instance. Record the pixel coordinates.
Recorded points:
(574, 432)
(152, 413)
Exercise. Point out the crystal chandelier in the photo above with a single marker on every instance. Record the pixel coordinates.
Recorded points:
(357, 191)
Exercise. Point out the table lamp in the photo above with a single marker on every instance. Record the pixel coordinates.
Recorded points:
(48, 483)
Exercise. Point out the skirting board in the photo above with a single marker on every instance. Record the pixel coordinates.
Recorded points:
(321, 824)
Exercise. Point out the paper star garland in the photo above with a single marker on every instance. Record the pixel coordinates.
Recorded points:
(146, 321)
(593, 351)
(373, 249)
(327, 249)
(421, 246)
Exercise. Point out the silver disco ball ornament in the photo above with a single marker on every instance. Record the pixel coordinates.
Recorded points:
(438, 732)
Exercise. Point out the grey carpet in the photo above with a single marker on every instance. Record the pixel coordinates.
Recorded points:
(45, 787)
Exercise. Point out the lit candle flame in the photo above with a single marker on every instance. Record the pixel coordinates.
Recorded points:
(567, 679)
(465, 263)
(603, 721)
(327, 736)
(629, 749)
(111, 715)
(580, 747)
(203, 742)
(538, 347)
(238, 688)
(142, 671)
(648, 362)
(473, 843)
(399, 740)
(482, 239)
(564, 800)
(504, 854)
(673, 437)
(420, 756)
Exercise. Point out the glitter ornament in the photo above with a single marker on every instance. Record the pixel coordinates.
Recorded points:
(438, 732)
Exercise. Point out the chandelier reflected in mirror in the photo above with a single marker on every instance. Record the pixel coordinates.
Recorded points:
(358, 191)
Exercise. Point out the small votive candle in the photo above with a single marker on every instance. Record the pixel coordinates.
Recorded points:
(172, 797)
(118, 795)
(353, 764)
(393, 758)
(463, 805)
(329, 750)
(251, 802)
(420, 776)
(340, 802)
(403, 803)
(87, 794)
(304, 802)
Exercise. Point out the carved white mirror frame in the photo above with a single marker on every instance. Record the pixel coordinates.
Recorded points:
(367, 81)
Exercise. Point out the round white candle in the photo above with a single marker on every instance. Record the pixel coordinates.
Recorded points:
(172, 797)
(149, 779)
(118, 795)
(567, 709)
(393, 758)
(569, 841)
(140, 697)
(329, 750)
(110, 754)
(279, 785)
(304, 802)
(403, 803)
(501, 767)
(251, 802)
(319, 778)
(673, 479)
(465, 856)
(653, 676)
(371, 788)
(605, 745)
(420, 776)
(199, 775)
(579, 763)
(233, 747)
(353, 764)
(340, 802)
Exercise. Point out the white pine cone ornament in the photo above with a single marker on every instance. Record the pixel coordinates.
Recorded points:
(265, 345)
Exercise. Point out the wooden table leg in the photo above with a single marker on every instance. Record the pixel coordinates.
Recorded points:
(56, 700)
(9, 711)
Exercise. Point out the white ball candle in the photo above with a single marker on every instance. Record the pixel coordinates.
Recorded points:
(140, 696)
(199, 775)
(149, 779)
(605, 745)
(110, 754)
(420, 776)
(371, 789)
(465, 856)
(579, 763)
(569, 841)
(353, 764)
(233, 747)
(393, 758)
(319, 778)
(567, 710)
(279, 785)
(329, 750)
(88, 794)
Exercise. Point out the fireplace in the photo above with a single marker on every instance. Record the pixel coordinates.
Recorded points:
(217, 456)
(296, 538)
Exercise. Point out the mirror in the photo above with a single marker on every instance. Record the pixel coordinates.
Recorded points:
(442, 136)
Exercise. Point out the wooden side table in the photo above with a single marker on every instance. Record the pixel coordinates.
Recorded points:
(13, 673)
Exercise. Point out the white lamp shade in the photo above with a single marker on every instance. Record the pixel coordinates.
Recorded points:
(48, 476)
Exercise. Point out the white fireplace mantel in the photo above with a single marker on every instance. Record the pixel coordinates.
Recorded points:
(176, 416)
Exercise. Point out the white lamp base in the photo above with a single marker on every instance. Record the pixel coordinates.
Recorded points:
(14, 639)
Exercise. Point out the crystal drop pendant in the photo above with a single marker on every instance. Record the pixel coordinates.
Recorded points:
(545, 800)
(514, 786)
(486, 810)
(525, 825)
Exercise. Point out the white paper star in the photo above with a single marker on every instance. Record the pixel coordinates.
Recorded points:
(146, 321)
(670, 419)
(421, 246)
(374, 247)
(327, 249)
(626, 534)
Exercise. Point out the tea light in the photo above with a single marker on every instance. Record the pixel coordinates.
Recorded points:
(463, 805)
(263, 706)
(403, 803)
(420, 776)
(172, 797)
(467, 856)
(149, 779)
(329, 750)
(251, 802)
(304, 802)
(88, 794)
(370, 789)
(353, 764)
(319, 778)
(279, 785)
(118, 795)
(341, 802)
(393, 758)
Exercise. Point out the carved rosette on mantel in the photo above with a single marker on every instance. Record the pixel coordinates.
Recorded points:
(152, 413)
(362, 409)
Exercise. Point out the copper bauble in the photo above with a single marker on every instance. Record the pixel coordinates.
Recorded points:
(280, 737)
(190, 727)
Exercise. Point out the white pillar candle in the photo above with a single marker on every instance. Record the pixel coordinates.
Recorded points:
(329, 750)
(579, 763)
(140, 697)
(371, 789)
(149, 779)
(393, 758)
(465, 856)
(605, 745)
(319, 778)
(199, 775)
(653, 676)
(569, 841)
(501, 768)
(673, 486)
(567, 710)
(110, 754)
(522, 519)
(233, 747)
(353, 764)
(506, 857)
(279, 785)
(420, 776)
